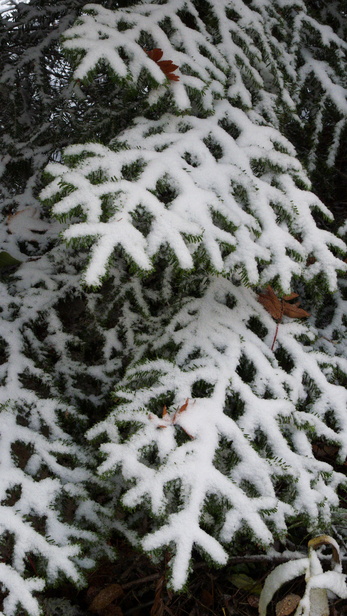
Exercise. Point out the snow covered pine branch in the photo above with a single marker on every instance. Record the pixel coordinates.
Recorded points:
(206, 185)
(177, 216)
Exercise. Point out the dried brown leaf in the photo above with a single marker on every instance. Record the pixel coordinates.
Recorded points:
(183, 407)
(287, 605)
(155, 54)
(171, 420)
(206, 598)
(173, 77)
(290, 296)
(271, 303)
(293, 311)
(105, 597)
(167, 66)
(278, 307)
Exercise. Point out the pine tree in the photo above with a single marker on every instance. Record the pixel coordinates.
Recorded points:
(50, 525)
(192, 145)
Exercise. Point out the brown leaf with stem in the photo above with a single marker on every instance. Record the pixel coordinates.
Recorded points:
(278, 307)
(167, 66)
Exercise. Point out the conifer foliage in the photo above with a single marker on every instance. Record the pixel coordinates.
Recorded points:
(198, 404)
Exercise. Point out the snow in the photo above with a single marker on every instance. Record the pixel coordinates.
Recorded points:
(8, 5)
(315, 601)
(331, 580)
(20, 591)
(200, 190)
(221, 336)
(323, 73)
(279, 576)
(43, 439)
(100, 35)
(212, 213)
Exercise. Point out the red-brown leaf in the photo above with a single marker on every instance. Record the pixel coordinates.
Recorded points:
(293, 311)
(183, 407)
(271, 303)
(155, 54)
(167, 66)
(290, 296)
(278, 307)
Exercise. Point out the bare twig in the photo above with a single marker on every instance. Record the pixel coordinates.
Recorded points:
(144, 580)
